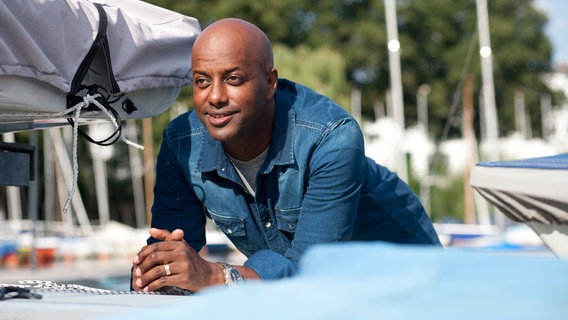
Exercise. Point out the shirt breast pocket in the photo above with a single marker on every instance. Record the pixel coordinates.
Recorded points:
(286, 220)
(235, 229)
(231, 226)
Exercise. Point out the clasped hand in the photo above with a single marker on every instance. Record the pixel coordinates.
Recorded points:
(170, 263)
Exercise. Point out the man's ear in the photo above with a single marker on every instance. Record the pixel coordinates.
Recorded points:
(272, 79)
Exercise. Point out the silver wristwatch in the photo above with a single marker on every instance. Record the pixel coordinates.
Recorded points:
(232, 276)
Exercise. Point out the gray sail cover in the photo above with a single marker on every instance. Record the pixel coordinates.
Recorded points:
(47, 40)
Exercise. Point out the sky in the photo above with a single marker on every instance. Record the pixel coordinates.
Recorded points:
(557, 27)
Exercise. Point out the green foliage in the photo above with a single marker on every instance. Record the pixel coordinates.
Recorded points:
(444, 201)
(447, 202)
(435, 38)
(319, 69)
(437, 45)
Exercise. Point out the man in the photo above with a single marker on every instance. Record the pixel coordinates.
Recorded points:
(275, 165)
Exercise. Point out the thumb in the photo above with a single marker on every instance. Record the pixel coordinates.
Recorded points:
(160, 234)
(165, 235)
(176, 235)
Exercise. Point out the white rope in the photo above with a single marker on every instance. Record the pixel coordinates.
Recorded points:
(91, 99)
(44, 115)
(88, 100)
(75, 162)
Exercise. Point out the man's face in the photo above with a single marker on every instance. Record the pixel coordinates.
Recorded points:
(231, 90)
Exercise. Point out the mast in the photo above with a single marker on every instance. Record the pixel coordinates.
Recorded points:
(490, 112)
(469, 137)
(396, 82)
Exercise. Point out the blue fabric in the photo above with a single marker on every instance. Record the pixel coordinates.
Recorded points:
(375, 280)
(556, 162)
(316, 186)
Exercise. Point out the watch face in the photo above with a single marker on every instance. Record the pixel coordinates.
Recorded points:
(236, 275)
(232, 275)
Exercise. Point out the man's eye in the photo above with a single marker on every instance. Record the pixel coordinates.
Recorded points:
(234, 80)
(200, 82)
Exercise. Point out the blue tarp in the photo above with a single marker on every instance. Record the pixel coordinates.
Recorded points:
(555, 162)
(387, 281)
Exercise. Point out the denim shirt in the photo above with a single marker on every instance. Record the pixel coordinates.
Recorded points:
(315, 186)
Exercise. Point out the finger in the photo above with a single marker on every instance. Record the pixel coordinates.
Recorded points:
(151, 251)
(134, 279)
(156, 278)
(143, 253)
(159, 234)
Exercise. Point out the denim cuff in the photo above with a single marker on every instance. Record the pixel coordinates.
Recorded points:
(270, 265)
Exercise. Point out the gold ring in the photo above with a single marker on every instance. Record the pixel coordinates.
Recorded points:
(168, 271)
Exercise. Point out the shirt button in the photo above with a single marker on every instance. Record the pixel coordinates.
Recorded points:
(229, 231)
(267, 224)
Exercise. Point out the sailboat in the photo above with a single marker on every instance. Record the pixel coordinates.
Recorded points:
(530, 191)
(115, 59)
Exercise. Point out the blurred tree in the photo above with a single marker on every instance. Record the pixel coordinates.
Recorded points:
(319, 69)
(435, 37)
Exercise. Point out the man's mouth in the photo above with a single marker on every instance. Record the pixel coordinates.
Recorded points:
(218, 115)
(219, 120)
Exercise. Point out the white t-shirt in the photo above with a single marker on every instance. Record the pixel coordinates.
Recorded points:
(247, 170)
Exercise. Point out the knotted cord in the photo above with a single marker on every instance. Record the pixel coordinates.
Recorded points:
(89, 99)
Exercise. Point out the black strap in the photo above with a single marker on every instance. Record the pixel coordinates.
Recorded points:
(105, 98)
(100, 43)
(11, 292)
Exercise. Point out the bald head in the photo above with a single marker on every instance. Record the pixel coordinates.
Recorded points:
(234, 83)
(241, 36)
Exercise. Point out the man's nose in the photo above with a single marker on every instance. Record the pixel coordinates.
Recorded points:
(218, 94)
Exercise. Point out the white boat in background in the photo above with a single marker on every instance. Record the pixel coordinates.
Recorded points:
(531, 191)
